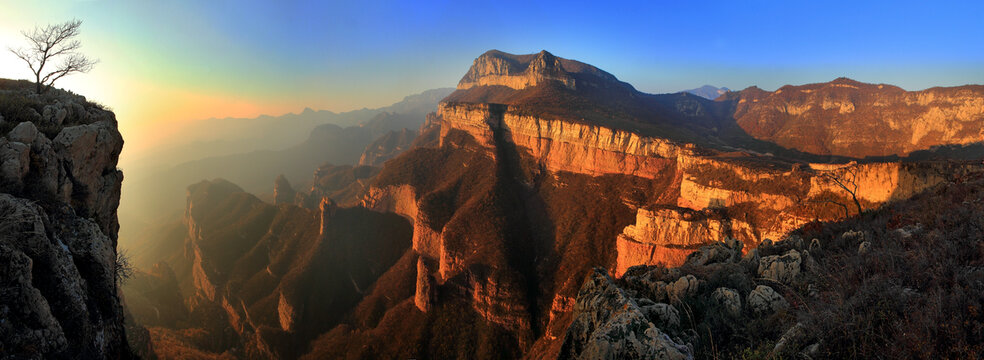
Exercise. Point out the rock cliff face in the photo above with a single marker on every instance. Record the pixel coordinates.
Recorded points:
(861, 119)
(756, 201)
(496, 68)
(59, 190)
(799, 298)
(501, 130)
(283, 193)
(277, 276)
(534, 172)
(386, 147)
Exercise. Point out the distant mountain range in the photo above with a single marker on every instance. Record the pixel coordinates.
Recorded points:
(252, 152)
(709, 92)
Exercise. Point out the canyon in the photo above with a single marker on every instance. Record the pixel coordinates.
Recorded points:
(474, 234)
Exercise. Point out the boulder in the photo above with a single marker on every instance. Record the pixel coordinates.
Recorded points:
(781, 268)
(763, 300)
(15, 162)
(683, 287)
(729, 299)
(608, 325)
(662, 314)
(54, 114)
(714, 253)
(24, 132)
(864, 247)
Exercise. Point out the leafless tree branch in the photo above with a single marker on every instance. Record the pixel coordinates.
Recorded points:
(849, 185)
(48, 43)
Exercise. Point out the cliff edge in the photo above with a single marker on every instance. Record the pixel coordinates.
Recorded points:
(59, 192)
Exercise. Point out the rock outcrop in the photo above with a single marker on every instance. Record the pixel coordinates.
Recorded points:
(386, 147)
(59, 192)
(610, 325)
(862, 119)
(539, 126)
(821, 298)
(496, 68)
(283, 193)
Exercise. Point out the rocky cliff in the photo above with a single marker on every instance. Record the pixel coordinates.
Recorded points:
(826, 291)
(59, 192)
(386, 147)
(536, 173)
(515, 123)
(261, 281)
(860, 119)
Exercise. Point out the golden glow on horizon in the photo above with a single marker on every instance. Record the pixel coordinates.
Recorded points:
(153, 97)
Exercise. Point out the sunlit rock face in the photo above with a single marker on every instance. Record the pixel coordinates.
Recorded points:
(59, 192)
(862, 119)
(496, 68)
(692, 194)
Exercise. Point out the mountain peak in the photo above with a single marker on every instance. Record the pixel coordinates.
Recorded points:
(846, 81)
(497, 68)
(709, 92)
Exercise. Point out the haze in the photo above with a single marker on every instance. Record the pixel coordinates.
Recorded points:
(167, 63)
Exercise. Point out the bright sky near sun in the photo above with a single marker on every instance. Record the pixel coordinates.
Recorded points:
(168, 62)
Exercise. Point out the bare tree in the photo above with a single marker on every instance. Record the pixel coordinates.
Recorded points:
(49, 43)
(847, 182)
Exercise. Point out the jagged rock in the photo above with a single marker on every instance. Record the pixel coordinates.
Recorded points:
(608, 325)
(89, 153)
(24, 133)
(735, 245)
(58, 227)
(781, 268)
(683, 287)
(328, 209)
(853, 235)
(815, 245)
(709, 254)
(751, 258)
(24, 304)
(51, 305)
(795, 241)
(283, 193)
(763, 300)
(662, 314)
(864, 247)
(729, 299)
(423, 297)
(654, 289)
(54, 114)
(15, 161)
(791, 336)
(287, 313)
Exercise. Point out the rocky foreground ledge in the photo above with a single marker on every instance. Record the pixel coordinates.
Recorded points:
(59, 193)
(901, 282)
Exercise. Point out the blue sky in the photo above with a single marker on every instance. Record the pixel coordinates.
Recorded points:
(167, 61)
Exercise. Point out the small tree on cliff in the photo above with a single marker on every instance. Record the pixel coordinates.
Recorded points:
(51, 43)
(848, 181)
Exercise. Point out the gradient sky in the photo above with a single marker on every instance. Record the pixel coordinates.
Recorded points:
(164, 63)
